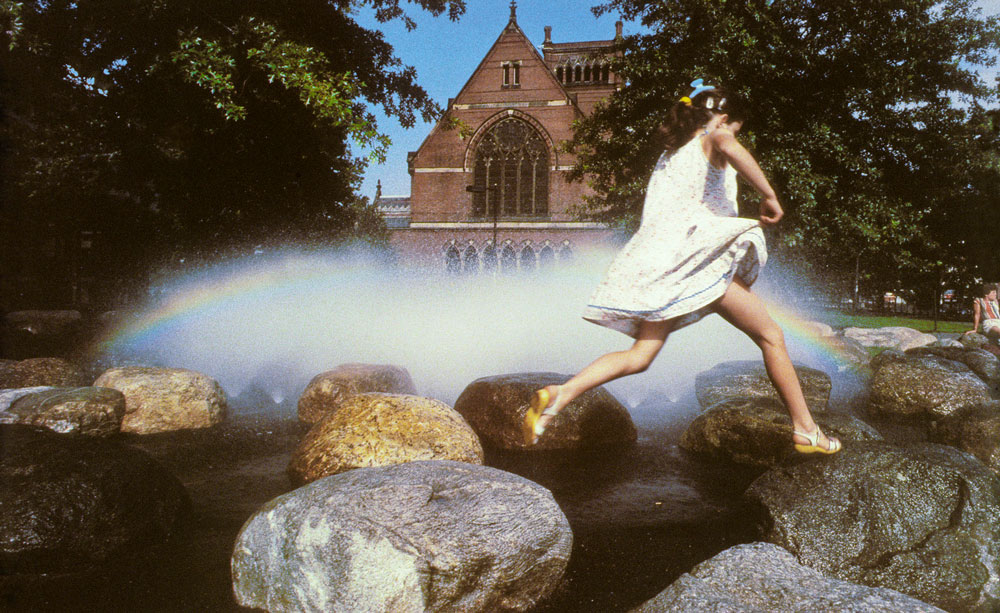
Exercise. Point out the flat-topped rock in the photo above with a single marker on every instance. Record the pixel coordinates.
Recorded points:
(328, 390)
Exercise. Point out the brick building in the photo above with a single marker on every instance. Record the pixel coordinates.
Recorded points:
(492, 194)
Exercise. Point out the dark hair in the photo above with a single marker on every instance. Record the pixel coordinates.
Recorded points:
(686, 118)
(987, 288)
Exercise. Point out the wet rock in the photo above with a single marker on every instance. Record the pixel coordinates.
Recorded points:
(422, 536)
(70, 503)
(165, 399)
(35, 372)
(818, 328)
(8, 396)
(921, 519)
(34, 333)
(982, 362)
(975, 430)
(89, 411)
(328, 390)
(495, 407)
(893, 337)
(380, 430)
(850, 352)
(973, 340)
(923, 386)
(748, 379)
(764, 578)
(758, 432)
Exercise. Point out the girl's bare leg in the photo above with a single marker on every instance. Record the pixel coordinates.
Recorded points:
(740, 307)
(611, 366)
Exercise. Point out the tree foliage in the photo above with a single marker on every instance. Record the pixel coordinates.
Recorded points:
(868, 117)
(197, 122)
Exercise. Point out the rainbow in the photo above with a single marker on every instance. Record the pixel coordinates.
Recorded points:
(809, 335)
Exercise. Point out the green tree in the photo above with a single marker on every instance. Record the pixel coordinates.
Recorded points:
(167, 123)
(863, 117)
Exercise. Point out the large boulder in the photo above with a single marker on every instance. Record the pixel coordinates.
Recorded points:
(975, 430)
(758, 432)
(35, 372)
(764, 578)
(893, 337)
(980, 361)
(328, 390)
(495, 407)
(922, 520)
(90, 411)
(72, 503)
(380, 430)
(422, 536)
(748, 379)
(166, 399)
(923, 386)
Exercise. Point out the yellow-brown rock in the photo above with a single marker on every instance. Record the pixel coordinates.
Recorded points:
(166, 399)
(377, 429)
(328, 390)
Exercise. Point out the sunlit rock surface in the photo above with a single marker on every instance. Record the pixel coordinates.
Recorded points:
(423, 536)
(328, 390)
(748, 379)
(758, 431)
(165, 399)
(764, 578)
(68, 503)
(380, 430)
(495, 407)
(893, 337)
(921, 519)
(985, 364)
(923, 386)
(973, 429)
(90, 411)
(35, 372)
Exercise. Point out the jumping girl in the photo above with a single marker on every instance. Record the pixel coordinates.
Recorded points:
(690, 257)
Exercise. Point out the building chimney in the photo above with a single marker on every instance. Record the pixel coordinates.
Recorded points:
(548, 35)
(618, 30)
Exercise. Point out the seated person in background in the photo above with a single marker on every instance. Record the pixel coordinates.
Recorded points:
(986, 313)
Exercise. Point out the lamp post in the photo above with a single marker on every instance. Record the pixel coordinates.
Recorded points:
(476, 189)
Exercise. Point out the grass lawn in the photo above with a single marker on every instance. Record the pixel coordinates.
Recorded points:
(838, 319)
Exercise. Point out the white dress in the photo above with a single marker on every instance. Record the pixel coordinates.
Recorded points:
(687, 249)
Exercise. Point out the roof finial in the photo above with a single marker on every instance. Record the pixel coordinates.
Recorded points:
(513, 11)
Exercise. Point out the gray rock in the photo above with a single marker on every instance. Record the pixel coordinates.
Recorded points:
(764, 578)
(975, 430)
(893, 337)
(923, 386)
(423, 536)
(72, 503)
(922, 520)
(973, 340)
(495, 408)
(758, 432)
(748, 379)
(982, 362)
(8, 396)
(89, 411)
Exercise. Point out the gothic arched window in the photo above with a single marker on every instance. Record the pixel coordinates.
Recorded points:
(546, 257)
(527, 259)
(508, 260)
(512, 171)
(471, 260)
(453, 261)
(489, 259)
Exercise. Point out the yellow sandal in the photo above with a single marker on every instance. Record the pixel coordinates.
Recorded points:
(532, 427)
(814, 447)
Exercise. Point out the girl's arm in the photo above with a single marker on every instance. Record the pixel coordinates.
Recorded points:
(725, 143)
(975, 316)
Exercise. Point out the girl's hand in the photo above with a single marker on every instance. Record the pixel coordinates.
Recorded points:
(770, 211)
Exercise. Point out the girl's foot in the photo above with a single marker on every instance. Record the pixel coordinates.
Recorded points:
(544, 406)
(812, 445)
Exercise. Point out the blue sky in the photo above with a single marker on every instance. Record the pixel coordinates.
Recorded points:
(445, 53)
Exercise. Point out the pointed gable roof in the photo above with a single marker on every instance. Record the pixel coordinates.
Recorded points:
(511, 45)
